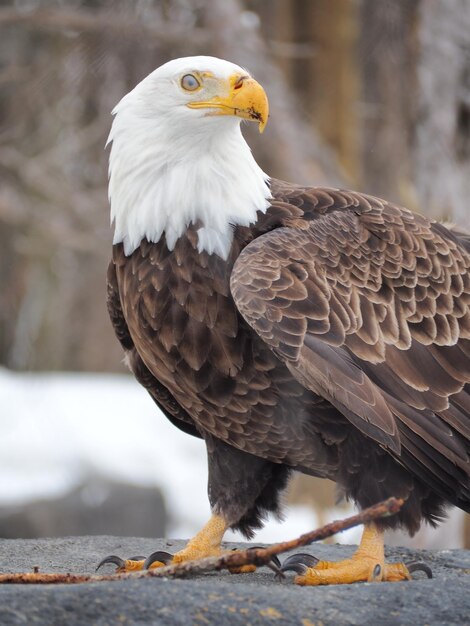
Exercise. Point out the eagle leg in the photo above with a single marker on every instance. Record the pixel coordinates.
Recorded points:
(206, 543)
(366, 565)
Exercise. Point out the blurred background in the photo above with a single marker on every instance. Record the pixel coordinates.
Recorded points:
(368, 94)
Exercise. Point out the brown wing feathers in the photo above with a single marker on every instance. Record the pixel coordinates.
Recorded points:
(376, 287)
(163, 398)
(366, 304)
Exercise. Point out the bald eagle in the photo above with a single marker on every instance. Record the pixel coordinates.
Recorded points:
(289, 327)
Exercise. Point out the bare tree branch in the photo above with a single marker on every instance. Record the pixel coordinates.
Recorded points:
(102, 20)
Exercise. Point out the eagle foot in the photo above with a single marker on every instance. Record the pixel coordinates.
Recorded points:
(366, 565)
(311, 571)
(205, 543)
(161, 558)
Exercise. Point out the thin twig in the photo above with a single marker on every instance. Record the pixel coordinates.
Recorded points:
(101, 21)
(231, 560)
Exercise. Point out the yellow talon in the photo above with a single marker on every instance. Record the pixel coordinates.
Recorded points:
(366, 565)
(206, 543)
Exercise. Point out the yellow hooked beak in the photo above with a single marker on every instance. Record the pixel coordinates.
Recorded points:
(243, 97)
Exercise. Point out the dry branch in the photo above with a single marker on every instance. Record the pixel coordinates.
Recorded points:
(231, 560)
(98, 21)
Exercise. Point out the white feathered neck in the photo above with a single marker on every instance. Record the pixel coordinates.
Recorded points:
(167, 172)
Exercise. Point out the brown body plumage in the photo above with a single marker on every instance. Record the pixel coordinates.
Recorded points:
(333, 340)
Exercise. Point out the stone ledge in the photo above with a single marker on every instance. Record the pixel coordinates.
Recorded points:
(220, 599)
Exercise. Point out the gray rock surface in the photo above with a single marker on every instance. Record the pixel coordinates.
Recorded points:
(222, 598)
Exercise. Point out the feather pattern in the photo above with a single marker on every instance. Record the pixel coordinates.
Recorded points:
(386, 297)
(334, 339)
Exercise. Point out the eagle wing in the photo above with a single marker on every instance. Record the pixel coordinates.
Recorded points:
(160, 394)
(368, 305)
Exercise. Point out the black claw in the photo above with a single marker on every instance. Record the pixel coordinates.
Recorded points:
(163, 557)
(275, 562)
(113, 559)
(279, 574)
(299, 563)
(419, 566)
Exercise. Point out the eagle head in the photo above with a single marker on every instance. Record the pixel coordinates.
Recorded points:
(178, 156)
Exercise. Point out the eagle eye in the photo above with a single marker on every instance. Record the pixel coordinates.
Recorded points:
(190, 83)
